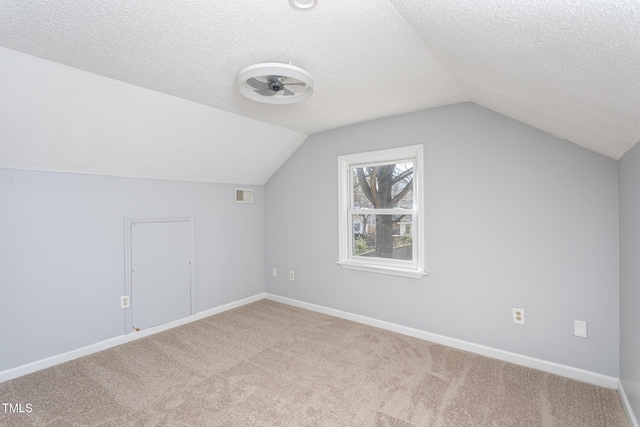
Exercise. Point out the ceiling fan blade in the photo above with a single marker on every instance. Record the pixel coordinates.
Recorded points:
(287, 92)
(265, 92)
(257, 84)
(295, 84)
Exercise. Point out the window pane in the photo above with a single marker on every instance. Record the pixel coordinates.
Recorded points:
(383, 236)
(383, 186)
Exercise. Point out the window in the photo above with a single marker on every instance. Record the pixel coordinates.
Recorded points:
(381, 215)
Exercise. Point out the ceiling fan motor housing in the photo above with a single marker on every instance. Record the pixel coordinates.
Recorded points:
(275, 83)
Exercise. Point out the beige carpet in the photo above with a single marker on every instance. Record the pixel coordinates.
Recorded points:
(269, 364)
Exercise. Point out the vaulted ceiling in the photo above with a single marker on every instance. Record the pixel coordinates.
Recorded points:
(568, 68)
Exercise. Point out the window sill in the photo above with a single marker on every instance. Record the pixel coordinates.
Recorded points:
(394, 271)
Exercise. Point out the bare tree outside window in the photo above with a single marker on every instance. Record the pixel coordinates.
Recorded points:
(378, 187)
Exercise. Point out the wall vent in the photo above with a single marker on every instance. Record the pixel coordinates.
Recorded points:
(244, 195)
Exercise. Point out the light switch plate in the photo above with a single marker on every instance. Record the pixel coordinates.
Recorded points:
(580, 328)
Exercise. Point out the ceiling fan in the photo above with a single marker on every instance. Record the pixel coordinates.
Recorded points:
(275, 83)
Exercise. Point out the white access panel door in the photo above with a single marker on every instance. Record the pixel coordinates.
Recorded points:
(160, 272)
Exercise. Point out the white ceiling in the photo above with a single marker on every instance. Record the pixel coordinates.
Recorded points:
(569, 68)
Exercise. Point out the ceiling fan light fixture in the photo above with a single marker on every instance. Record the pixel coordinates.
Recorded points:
(275, 83)
(302, 4)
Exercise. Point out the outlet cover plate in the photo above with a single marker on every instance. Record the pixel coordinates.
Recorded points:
(124, 301)
(518, 315)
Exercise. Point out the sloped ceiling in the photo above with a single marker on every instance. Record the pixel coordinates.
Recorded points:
(568, 68)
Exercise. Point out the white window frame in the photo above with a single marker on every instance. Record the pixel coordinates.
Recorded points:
(414, 268)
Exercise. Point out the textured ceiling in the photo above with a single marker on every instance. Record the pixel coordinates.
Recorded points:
(570, 68)
(567, 68)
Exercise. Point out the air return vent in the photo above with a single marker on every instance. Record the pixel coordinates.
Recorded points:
(244, 195)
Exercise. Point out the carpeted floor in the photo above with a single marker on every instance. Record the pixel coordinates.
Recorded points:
(269, 364)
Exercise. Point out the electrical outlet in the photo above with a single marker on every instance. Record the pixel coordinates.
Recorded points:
(518, 315)
(292, 276)
(580, 328)
(274, 272)
(124, 301)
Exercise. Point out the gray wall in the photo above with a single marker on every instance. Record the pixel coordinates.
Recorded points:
(630, 276)
(62, 254)
(515, 218)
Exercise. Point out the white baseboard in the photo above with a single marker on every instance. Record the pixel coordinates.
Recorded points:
(518, 359)
(19, 371)
(627, 405)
